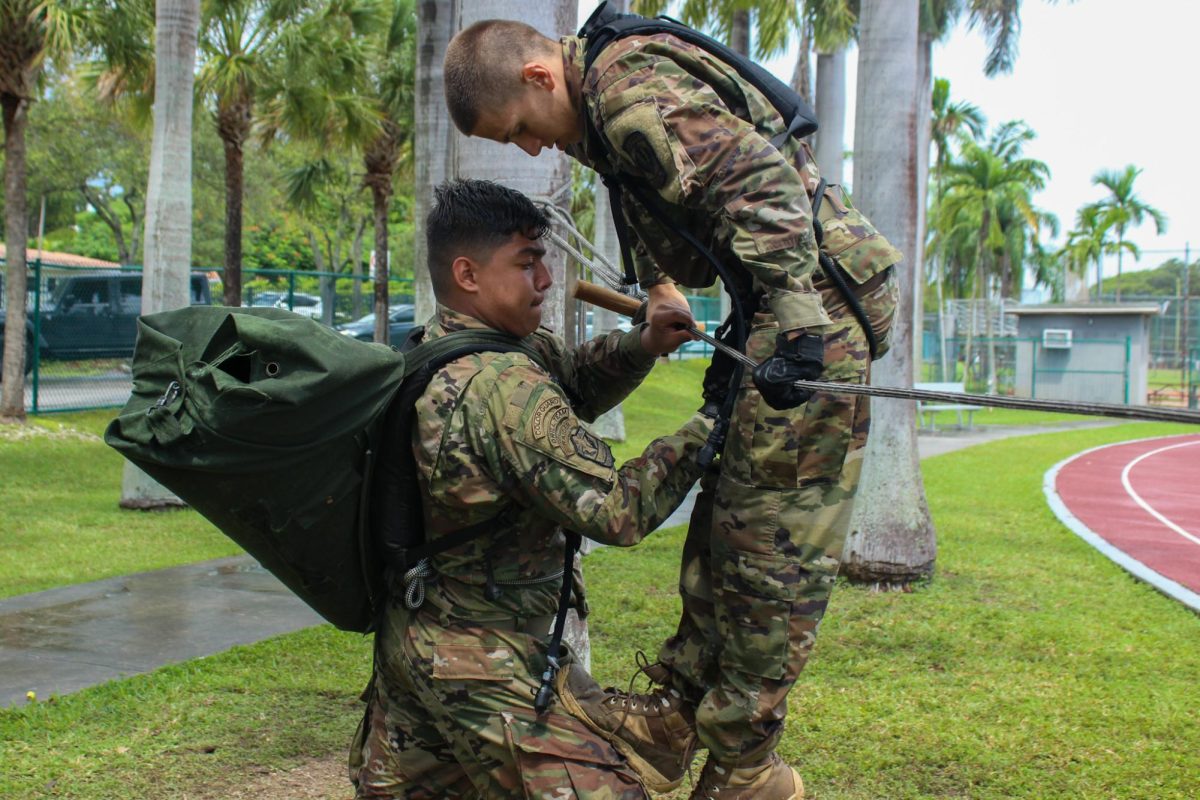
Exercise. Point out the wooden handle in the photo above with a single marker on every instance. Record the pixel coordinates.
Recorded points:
(604, 297)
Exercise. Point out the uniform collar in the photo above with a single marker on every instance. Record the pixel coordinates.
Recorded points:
(446, 320)
(590, 151)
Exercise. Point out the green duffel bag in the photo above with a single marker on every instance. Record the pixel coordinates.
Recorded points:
(268, 424)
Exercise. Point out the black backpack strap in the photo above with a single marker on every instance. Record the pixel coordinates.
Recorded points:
(397, 521)
(613, 184)
(833, 271)
(554, 650)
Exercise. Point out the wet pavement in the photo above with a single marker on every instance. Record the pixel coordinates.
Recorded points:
(66, 639)
(62, 640)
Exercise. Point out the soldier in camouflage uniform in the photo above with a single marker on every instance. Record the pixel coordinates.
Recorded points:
(497, 438)
(767, 533)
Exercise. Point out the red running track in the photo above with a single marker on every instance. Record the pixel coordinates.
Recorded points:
(1139, 504)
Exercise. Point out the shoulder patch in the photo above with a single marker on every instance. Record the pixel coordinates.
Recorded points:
(550, 419)
(591, 447)
(637, 146)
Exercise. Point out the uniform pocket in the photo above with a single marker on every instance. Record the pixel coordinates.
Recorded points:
(556, 756)
(459, 662)
(756, 607)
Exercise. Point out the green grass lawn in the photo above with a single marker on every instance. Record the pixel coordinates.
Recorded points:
(1029, 666)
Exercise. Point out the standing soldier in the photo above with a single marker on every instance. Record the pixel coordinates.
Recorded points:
(709, 158)
(461, 649)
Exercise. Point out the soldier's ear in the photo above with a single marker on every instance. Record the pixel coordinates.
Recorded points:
(463, 273)
(537, 74)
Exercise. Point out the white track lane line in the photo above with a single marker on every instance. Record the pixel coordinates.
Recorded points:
(1130, 564)
(1137, 498)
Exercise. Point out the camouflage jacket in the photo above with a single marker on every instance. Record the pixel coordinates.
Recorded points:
(497, 438)
(681, 123)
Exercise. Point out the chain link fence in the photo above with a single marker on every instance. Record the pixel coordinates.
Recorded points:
(81, 322)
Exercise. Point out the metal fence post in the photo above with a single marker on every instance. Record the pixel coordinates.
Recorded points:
(1128, 365)
(37, 329)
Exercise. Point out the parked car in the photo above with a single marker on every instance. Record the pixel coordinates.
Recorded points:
(306, 305)
(400, 322)
(93, 315)
(267, 299)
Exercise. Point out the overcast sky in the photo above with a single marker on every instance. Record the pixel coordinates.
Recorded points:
(1103, 83)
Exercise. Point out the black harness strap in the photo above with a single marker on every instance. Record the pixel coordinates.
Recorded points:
(545, 693)
(833, 271)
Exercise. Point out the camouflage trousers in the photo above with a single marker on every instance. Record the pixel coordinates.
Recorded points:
(764, 546)
(450, 715)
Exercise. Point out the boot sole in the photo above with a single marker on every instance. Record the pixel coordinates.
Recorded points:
(654, 780)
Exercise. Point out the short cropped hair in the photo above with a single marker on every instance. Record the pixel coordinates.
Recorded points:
(472, 218)
(483, 66)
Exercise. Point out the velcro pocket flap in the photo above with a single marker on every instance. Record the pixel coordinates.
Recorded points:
(463, 662)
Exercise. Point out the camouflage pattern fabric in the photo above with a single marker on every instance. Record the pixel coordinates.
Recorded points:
(497, 438)
(767, 532)
(676, 120)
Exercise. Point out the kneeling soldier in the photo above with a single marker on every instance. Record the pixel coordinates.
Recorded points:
(451, 711)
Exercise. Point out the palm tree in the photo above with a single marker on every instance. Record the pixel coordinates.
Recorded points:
(435, 138)
(1089, 241)
(834, 25)
(892, 539)
(1128, 209)
(390, 75)
(31, 31)
(298, 61)
(980, 185)
(168, 196)
(949, 120)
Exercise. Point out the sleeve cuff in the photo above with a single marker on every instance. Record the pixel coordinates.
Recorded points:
(796, 310)
(632, 351)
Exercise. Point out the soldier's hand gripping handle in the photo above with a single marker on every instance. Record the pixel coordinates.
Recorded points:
(799, 359)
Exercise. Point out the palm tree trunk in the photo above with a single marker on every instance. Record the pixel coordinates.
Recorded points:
(436, 139)
(1120, 254)
(16, 222)
(892, 539)
(739, 33)
(380, 198)
(611, 424)
(168, 198)
(802, 75)
(356, 250)
(543, 177)
(830, 148)
(233, 126)
(924, 140)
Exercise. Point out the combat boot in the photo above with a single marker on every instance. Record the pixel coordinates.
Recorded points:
(768, 780)
(656, 732)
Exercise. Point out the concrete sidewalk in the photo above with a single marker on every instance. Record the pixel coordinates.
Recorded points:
(66, 639)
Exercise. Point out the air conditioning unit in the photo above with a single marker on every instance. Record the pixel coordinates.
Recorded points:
(1056, 339)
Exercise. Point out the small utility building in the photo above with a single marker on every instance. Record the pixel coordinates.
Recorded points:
(1095, 353)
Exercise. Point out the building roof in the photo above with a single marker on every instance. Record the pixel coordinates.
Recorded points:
(1088, 310)
(49, 257)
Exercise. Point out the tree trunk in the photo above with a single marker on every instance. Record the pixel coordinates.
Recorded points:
(356, 270)
(547, 176)
(611, 424)
(16, 224)
(436, 138)
(233, 126)
(892, 539)
(802, 74)
(168, 237)
(1120, 255)
(924, 140)
(380, 196)
(830, 148)
(739, 33)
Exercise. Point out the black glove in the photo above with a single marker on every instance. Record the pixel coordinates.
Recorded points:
(801, 359)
